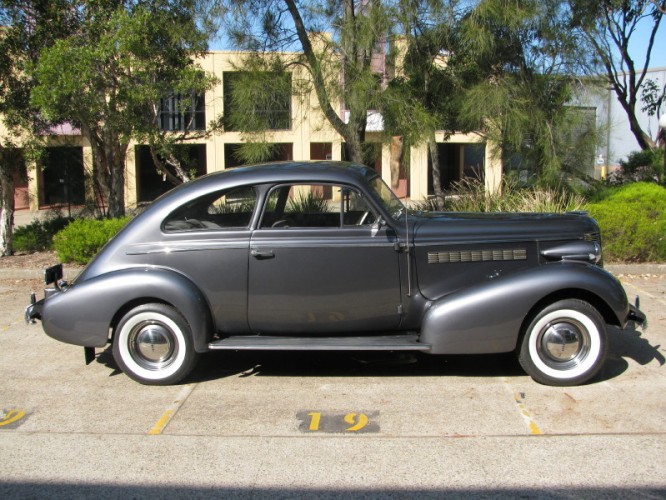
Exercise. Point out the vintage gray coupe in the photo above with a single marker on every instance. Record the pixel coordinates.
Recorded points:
(323, 256)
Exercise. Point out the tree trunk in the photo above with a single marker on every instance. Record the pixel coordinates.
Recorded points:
(6, 208)
(355, 138)
(436, 175)
(116, 162)
(396, 160)
(108, 168)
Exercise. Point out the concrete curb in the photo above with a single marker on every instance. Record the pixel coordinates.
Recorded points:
(72, 271)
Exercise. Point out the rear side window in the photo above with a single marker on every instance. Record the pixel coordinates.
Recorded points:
(231, 209)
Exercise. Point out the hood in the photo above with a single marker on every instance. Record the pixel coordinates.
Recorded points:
(453, 227)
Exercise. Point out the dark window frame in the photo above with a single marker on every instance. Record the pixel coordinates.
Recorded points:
(182, 112)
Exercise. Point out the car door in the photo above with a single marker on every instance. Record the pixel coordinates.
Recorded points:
(321, 262)
(208, 240)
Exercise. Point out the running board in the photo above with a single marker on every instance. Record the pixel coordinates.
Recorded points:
(364, 343)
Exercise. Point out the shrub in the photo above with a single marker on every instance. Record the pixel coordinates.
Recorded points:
(471, 196)
(82, 239)
(38, 235)
(633, 222)
(640, 166)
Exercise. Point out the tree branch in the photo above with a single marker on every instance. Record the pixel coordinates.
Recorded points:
(316, 71)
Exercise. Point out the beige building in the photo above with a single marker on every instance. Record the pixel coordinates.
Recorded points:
(301, 133)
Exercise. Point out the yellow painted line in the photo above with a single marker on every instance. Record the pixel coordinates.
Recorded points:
(170, 412)
(531, 424)
(161, 423)
(519, 398)
(11, 416)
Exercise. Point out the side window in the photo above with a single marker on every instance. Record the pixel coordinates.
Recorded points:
(316, 206)
(218, 211)
(356, 211)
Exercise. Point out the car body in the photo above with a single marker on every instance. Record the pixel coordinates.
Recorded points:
(323, 256)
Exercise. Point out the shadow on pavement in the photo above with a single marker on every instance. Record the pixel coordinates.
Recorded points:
(350, 364)
(628, 344)
(103, 491)
(623, 344)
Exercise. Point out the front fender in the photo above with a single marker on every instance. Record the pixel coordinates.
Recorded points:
(83, 313)
(487, 317)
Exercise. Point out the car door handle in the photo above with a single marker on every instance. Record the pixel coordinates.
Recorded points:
(262, 254)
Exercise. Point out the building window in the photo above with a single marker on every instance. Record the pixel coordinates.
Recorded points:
(62, 177)
(150, 183)
(458, 161)
(255, 101)
(181, 112)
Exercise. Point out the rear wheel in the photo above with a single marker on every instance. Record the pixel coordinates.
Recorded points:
(153, 345)
(564, 344)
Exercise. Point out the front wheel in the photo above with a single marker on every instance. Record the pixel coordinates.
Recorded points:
(564, 344)
(153, 345)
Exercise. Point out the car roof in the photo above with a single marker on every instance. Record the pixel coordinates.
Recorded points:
(292, 171)
(332, 171)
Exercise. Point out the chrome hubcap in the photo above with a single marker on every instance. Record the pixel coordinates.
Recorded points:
(152, 345)
(563, 344)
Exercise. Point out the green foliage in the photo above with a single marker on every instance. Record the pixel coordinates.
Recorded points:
(255, 152)
(82, 239)
(471, 196)
(310, 203)
(519, 97)
(633, 222)
(258, 100)
(640, 166)
(108, 76)
(332, 39)
(38, 235)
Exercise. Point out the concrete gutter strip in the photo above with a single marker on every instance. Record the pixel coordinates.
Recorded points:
(29, 274)
(636, 269)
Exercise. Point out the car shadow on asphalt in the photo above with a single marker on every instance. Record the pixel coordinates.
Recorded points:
(623, 345)
(350, 364)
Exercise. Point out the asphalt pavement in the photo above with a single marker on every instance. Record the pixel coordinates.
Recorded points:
(331, 425)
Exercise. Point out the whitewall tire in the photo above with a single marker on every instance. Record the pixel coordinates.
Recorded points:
(564, 344)
(153, 345)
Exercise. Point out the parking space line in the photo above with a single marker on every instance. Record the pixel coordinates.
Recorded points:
(519, 398)
(170, 412)
(531, 424)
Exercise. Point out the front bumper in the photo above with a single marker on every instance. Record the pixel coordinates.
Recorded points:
(636, 315)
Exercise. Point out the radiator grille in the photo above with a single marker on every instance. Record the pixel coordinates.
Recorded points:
(460, 256)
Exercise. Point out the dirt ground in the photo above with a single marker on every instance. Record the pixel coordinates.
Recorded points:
(35, 260)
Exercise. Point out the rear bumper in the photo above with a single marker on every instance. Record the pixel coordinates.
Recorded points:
(34, 311)
(53, 275)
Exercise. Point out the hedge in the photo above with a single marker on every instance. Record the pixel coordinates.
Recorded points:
(633, 222)
(82, 239)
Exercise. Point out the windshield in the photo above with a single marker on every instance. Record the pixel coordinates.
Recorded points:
(388, 199)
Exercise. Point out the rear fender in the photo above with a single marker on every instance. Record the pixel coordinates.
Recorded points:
(488, 317)
(83, 313)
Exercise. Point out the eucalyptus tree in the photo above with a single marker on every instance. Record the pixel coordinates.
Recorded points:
(334, 41)
(609, 28)
(108, 75)
(525, 61)
(424, 96)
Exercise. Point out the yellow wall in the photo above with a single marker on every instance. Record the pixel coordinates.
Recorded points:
(308, 125)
